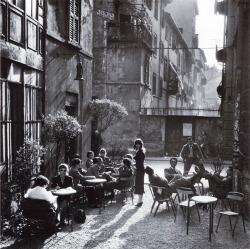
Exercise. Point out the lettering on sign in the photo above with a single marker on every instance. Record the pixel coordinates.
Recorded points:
(105, 14)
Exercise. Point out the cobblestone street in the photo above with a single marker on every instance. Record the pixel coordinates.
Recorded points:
(122, 225)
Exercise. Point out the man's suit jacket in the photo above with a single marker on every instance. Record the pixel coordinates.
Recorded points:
(56, 181)
(186, 151)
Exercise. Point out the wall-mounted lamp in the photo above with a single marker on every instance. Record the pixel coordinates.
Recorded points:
(79, 70)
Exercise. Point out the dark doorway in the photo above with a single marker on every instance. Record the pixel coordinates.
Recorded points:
(71, 109)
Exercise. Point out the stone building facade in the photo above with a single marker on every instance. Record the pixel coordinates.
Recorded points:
(235, 88)
(142, 60)
(41, 44)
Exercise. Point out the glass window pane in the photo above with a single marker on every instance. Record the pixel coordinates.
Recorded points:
(32, 36)
(34, 9)
(15, 73)
(28, 7)
(16, 27)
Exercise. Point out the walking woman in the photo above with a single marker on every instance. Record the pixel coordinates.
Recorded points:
(139, 177)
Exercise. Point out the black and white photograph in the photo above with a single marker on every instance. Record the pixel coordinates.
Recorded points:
(125, 124)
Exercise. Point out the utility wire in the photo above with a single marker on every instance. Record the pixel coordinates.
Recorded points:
(167, 48)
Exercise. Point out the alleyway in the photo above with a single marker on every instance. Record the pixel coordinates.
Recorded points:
(122, 225)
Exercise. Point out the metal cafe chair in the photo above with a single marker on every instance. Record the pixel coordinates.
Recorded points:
(156, 192)
(184, 195)
(128, 189)
(235, 200)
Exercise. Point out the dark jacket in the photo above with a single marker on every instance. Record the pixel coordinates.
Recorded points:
(38, 209)
(158, 181)
(186, 151)
(78, 178)
(171, 172)
(139, 159)
(56, 181)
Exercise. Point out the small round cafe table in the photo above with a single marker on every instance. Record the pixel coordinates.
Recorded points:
(210, 200)
(66, 192)
(95, 182)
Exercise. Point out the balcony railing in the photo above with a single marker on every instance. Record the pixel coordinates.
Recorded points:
(184, 111)
(129, 32)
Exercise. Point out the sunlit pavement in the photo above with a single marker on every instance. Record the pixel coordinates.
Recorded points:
(122, 225)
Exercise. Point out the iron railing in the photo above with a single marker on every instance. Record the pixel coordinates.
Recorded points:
(184, 111)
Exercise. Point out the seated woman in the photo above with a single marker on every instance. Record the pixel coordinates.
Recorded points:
(125, 171)
(78, 179)
(105, 158)
(62, 181)
(40, 203)
(89, 161)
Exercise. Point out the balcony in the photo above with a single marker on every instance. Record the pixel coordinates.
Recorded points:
(129, 33)
(184, 111)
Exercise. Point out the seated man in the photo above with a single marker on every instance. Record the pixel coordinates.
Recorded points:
(125, 171)
(97, 168)
(171, 186)
(89, 161)
(219, 185)
(78, 178)
(40, 203)
(171, 172)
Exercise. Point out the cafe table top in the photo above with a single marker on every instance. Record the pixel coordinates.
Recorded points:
(63, 191)
(97, 180)
(204, 199)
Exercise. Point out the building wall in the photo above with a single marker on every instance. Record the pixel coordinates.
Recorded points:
(62, 91)
(22, 84)
(242, 107)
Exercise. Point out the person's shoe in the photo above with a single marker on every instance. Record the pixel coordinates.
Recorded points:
(139, 204)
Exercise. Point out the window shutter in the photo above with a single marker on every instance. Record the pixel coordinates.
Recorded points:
(74, 20)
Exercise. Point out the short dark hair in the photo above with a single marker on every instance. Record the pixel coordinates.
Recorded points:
(75, 161)
(96, 159)
(76, 156)
(149, 171)
(89, 153)
(127, 161)
(63, 165)
(189, 139)
(41, 181)
(173, 159)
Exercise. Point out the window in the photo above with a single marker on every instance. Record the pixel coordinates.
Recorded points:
(21, 103)
(161, 51)
(165, 69)
(166, 33)
(149, 4)
(155, 44)
(160, 87)
(170, 39)
(31, 9)
(74, 20)
(156, 9)
(154, 84)
(146, 70)
(22, 23)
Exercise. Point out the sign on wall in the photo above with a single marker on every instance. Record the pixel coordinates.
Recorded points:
(187, 129)
(105, 14)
